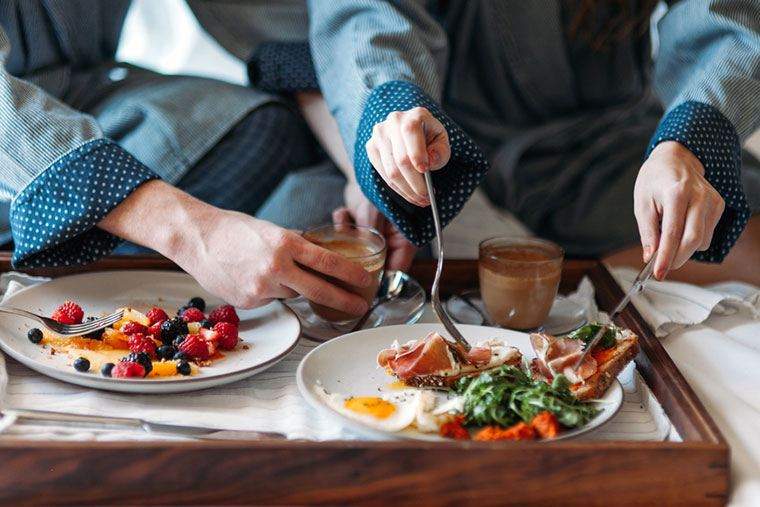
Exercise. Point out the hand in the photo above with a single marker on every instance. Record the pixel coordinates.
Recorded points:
(360, 211)
(245, 261)
(406, 145)
(675, 207)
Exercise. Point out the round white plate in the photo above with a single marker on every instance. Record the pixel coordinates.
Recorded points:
(347, 365)
(270, 332)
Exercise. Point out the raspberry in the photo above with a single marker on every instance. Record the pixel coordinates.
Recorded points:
(228, 335)
(68, 313)
(127, 369)
(192, 315)
(224, 313)
(141, 343)
(155, 330)
(156, 314)
(134, 328)
(195, 347)
(141, 358)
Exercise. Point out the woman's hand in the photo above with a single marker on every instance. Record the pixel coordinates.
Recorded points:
(675, 207)
(360, 211)
(406, 145)
(245, 261)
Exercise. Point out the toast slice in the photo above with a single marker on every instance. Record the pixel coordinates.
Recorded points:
(448, 381)
(608, 368)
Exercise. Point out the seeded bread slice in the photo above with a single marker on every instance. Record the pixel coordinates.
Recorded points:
(596, 385)
(446, 382)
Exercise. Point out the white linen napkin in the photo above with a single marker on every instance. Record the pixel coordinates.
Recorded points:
(668, 306)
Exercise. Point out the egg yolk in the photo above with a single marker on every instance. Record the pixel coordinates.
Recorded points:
(371, 405)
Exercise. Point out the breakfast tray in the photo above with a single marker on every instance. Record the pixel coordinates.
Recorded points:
(694, 471)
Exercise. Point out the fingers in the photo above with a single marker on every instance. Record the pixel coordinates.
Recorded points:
(413, 177)
(387, 168)
(342, 216)
(648, 221)
(673, 218)
(412, 130)
(322, 292)
(330, 263)
(693, 234)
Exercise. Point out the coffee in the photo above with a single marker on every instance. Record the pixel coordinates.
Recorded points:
(361, 245)
(519, 280)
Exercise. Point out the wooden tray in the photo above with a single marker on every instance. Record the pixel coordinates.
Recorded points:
(692, 472)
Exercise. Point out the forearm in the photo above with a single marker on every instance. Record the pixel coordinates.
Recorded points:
(314, 110)
(161, 217)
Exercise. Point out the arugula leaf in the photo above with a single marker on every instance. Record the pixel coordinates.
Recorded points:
(508, 395)
(587, 333)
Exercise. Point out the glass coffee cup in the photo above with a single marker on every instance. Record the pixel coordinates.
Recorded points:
(363, 245)
(519, 279)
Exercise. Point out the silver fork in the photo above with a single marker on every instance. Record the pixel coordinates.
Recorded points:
(67, 329)
(462, 346)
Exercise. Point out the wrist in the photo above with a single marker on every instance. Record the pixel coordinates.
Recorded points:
(674, 149)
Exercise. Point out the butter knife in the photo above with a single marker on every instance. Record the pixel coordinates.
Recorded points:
(638, 284)
(49, 418)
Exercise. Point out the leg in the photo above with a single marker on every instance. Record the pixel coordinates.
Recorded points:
(742, 263)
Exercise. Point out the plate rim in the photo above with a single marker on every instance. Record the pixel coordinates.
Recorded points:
(169, 383)
(358, 427)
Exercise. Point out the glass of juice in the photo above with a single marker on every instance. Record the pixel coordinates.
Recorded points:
(519, 278)
(363, 245)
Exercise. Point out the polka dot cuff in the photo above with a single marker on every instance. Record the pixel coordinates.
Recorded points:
(53, 218)
(713, 140)
(453, 184)
(282, 67)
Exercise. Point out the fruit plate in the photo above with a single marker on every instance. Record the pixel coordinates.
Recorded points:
(348, 365)
(268, 333)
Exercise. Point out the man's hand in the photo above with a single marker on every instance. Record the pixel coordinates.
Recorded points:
(406, 145)
(360, 211)
(245, 261)
(676, 208)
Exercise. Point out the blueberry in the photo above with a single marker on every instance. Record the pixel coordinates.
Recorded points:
(181, 310)
(34, 335)
(95, 335)
(198, 303)
(81, 364)
(181, 356)
(165, 352)
(105, 370)
(207, 324)
(178, 341)
(183, 368)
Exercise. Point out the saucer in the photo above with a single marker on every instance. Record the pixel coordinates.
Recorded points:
(565, 315)
(406, 308)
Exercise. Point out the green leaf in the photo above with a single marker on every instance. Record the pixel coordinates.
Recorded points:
(587, 333)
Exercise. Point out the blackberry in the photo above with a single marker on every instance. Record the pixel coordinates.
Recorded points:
(166, 352)
(105, 370)
(183, 368)
(34, 335)
(198, 303)
(81, 364)
(95, 335)
(170, 329)
(181, 356)
(207, 324)
(141, 358)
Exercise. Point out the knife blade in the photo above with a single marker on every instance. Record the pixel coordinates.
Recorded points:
(51, 418)
(638, 285)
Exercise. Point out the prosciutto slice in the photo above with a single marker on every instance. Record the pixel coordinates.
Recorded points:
(559, 355)
(430, 356)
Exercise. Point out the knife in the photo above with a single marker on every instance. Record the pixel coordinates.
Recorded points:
(638, 284)
(49, 418)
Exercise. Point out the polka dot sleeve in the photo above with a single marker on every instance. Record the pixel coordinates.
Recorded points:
(453, 184)
(713, 140)
(53, 218)
(282, 67)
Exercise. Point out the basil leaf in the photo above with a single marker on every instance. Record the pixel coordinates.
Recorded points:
(586, 334)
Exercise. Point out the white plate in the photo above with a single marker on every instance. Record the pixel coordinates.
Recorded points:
(270, 331)
(347, 365)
